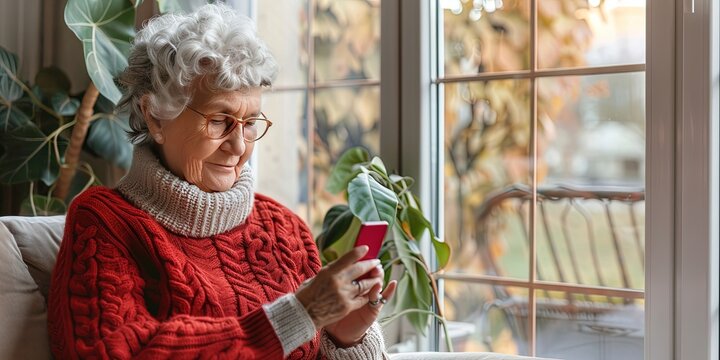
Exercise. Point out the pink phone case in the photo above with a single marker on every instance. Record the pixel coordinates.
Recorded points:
(371, 234)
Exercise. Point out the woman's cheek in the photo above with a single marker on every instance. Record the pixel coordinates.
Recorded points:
(193, 171)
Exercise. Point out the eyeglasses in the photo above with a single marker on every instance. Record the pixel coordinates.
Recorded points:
(219, 125)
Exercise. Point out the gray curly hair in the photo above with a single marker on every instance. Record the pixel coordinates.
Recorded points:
(173, 50)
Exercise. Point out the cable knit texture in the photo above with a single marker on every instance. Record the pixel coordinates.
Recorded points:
(372, 347)
(182, 207)
(291, 322)
(125, 286)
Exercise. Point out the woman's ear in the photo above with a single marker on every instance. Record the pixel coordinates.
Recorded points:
(153, 124)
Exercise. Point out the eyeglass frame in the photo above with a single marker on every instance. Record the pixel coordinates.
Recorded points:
(238, 120)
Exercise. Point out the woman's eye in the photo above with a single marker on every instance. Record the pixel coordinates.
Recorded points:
(250, 122)
(218, 120)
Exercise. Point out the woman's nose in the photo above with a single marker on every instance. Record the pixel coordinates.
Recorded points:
(235, 143)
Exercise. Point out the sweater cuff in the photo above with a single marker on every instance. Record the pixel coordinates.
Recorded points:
(371, 347)
(291, 322)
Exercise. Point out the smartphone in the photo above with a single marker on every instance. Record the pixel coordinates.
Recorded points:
(372, 234)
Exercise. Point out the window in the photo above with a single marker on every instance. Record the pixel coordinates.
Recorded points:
(325, 100)
(543, 131)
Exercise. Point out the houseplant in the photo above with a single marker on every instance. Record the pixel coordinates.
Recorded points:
(373, 194)
(44, 129)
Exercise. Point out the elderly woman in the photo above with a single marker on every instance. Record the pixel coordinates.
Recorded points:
(182, 259)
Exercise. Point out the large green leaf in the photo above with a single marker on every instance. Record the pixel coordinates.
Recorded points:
(181, 6)
(32, 157)
(370, 201)
(336, 223)
(418, 225)
(106, 29)
(10, 89)
(12, 117)
(414, 291)
(344, 244)
(107, 136)
(345, 169)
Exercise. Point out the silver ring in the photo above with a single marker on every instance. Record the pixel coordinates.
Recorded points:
(383, 300)
(356, 283)
(377, 301)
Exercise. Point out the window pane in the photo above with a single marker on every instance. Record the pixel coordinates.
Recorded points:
(589, 327)
(593, 129)
(485, 36)
(487, 141)
(345, 117)
(486, 318)
(282, 154)
(283, 26)
(592, 161)
(591, 241)
(574, 33)
(346, 35)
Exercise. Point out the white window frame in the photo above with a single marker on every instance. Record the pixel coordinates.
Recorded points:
(681, 310)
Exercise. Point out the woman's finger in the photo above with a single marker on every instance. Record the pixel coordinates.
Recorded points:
(389, 290)
(359, 268)
(348, 259)
(376, 272)
(368, 285)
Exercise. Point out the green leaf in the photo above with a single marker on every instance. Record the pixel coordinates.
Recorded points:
(344, 243)
(418, 293)
(370, 201)
(378, 165)
(43, 206)
(10, 89)
(106, 29)
(107, 136)
(417, 221)
(32, 157)
(181, 6)
(442, 251)
(418, 225)
(64, 104)
(12, 117)
(336, 223)
(345, 169)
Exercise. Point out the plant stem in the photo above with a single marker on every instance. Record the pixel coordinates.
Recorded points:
(72, 154)
(396, 316)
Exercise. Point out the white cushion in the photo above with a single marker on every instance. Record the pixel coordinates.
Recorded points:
(25, 262)
(456, 356)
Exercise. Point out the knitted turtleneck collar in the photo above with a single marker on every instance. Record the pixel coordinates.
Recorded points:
(182, 207)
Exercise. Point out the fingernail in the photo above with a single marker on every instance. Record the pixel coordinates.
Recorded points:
(364, 249)
(376, 262)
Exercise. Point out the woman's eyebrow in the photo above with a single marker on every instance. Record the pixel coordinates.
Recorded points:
(227, 107)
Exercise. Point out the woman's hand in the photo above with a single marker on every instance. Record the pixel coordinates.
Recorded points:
(333, 293)
(351, 329)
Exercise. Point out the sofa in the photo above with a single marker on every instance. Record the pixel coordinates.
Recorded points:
(28, 247)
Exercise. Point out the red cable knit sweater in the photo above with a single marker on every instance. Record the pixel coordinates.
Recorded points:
(124, 287)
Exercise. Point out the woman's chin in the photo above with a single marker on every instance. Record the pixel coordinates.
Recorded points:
(216, 184)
